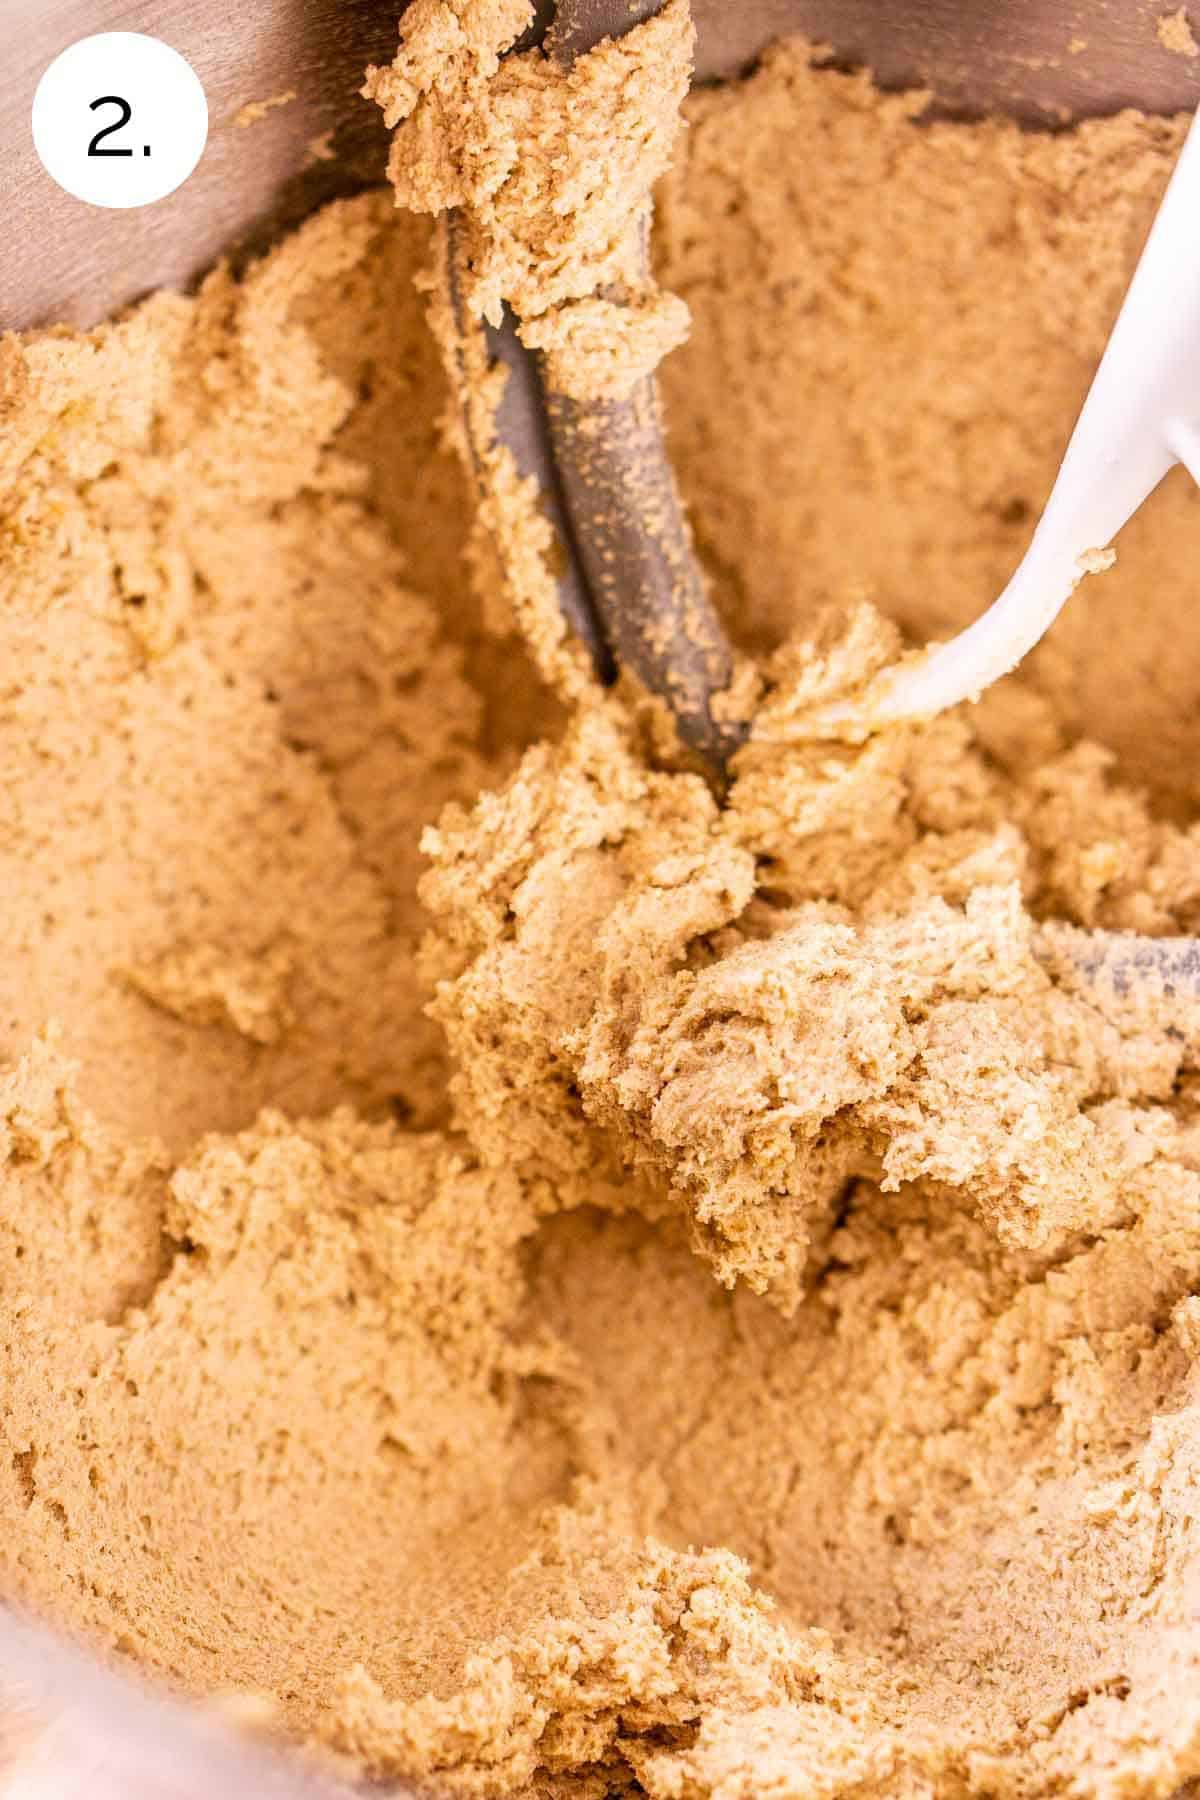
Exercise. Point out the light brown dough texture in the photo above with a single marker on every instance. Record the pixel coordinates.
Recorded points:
(744, 1341)
(549, 172)
(1175, 33)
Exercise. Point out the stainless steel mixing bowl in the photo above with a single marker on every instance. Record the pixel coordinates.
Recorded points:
(64, 261)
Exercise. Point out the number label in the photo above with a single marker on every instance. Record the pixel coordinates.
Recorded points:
(140, 96)
(126, 112)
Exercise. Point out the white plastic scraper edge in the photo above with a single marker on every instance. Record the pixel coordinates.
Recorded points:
(1141, 415)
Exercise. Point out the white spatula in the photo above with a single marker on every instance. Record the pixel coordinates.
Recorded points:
(1141, 416)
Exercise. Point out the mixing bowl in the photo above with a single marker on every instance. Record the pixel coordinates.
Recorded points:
(75, 1729)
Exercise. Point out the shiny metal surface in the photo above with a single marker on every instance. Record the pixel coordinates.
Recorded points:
(72, 1730)
(1042, 61)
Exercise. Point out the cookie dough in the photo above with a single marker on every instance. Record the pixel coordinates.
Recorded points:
(550, 1286)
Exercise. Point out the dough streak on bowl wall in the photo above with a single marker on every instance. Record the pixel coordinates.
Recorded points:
(743, 1338)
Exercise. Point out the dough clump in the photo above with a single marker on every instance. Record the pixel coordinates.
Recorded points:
(549, 172)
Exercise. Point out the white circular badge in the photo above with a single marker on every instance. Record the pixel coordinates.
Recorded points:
(119, 119)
